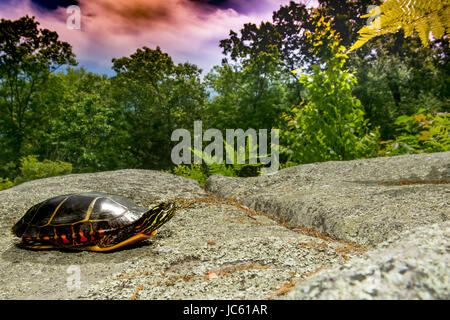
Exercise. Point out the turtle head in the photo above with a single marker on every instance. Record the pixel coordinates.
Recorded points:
(155, 218)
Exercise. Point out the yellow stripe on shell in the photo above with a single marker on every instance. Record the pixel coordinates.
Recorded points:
(54, 212)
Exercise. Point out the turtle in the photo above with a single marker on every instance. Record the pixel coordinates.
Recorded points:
(89, 221)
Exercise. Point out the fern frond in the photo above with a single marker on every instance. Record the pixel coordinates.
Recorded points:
(422, 16)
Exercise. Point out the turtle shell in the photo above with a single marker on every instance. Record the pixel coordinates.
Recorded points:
(76, 219)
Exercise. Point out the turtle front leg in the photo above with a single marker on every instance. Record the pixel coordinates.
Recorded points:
(109, 244)
(120, 239)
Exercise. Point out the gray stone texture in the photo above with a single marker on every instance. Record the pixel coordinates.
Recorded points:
(386, 218)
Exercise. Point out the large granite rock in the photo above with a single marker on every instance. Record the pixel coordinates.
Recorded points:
(217, 248)
(413, 265)
(209, 250)
(364, 201)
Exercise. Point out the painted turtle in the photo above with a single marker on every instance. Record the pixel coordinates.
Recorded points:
(89, 221)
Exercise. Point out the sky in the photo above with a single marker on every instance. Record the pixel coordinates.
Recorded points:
(188, 30)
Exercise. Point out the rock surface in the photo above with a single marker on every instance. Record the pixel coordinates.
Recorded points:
(209, 250)
(413, 265)
(364, 201)
(390, 212)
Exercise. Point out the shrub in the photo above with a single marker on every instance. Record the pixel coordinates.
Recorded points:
(193, 171)
(201, 172)
(329, 124)
(5, 183)
(420, 133)
(31, 168)
(210, 167)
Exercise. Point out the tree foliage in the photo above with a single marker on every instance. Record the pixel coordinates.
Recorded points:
(31, 168)
(334, 107)
(420, 133)
(83, 110)
(250, 96)
(157, 97)
(394, 73)
(329, 124)
(27, 57)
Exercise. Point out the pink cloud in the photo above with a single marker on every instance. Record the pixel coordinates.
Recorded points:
(184, 29)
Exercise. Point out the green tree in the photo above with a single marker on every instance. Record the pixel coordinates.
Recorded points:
(398, 77)
(285, 37)
(248, 96)
(330, 123)
(395, 75)
(157, 97)
(393, 84)
(84, 129)
(27, 57)
(282, 39)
